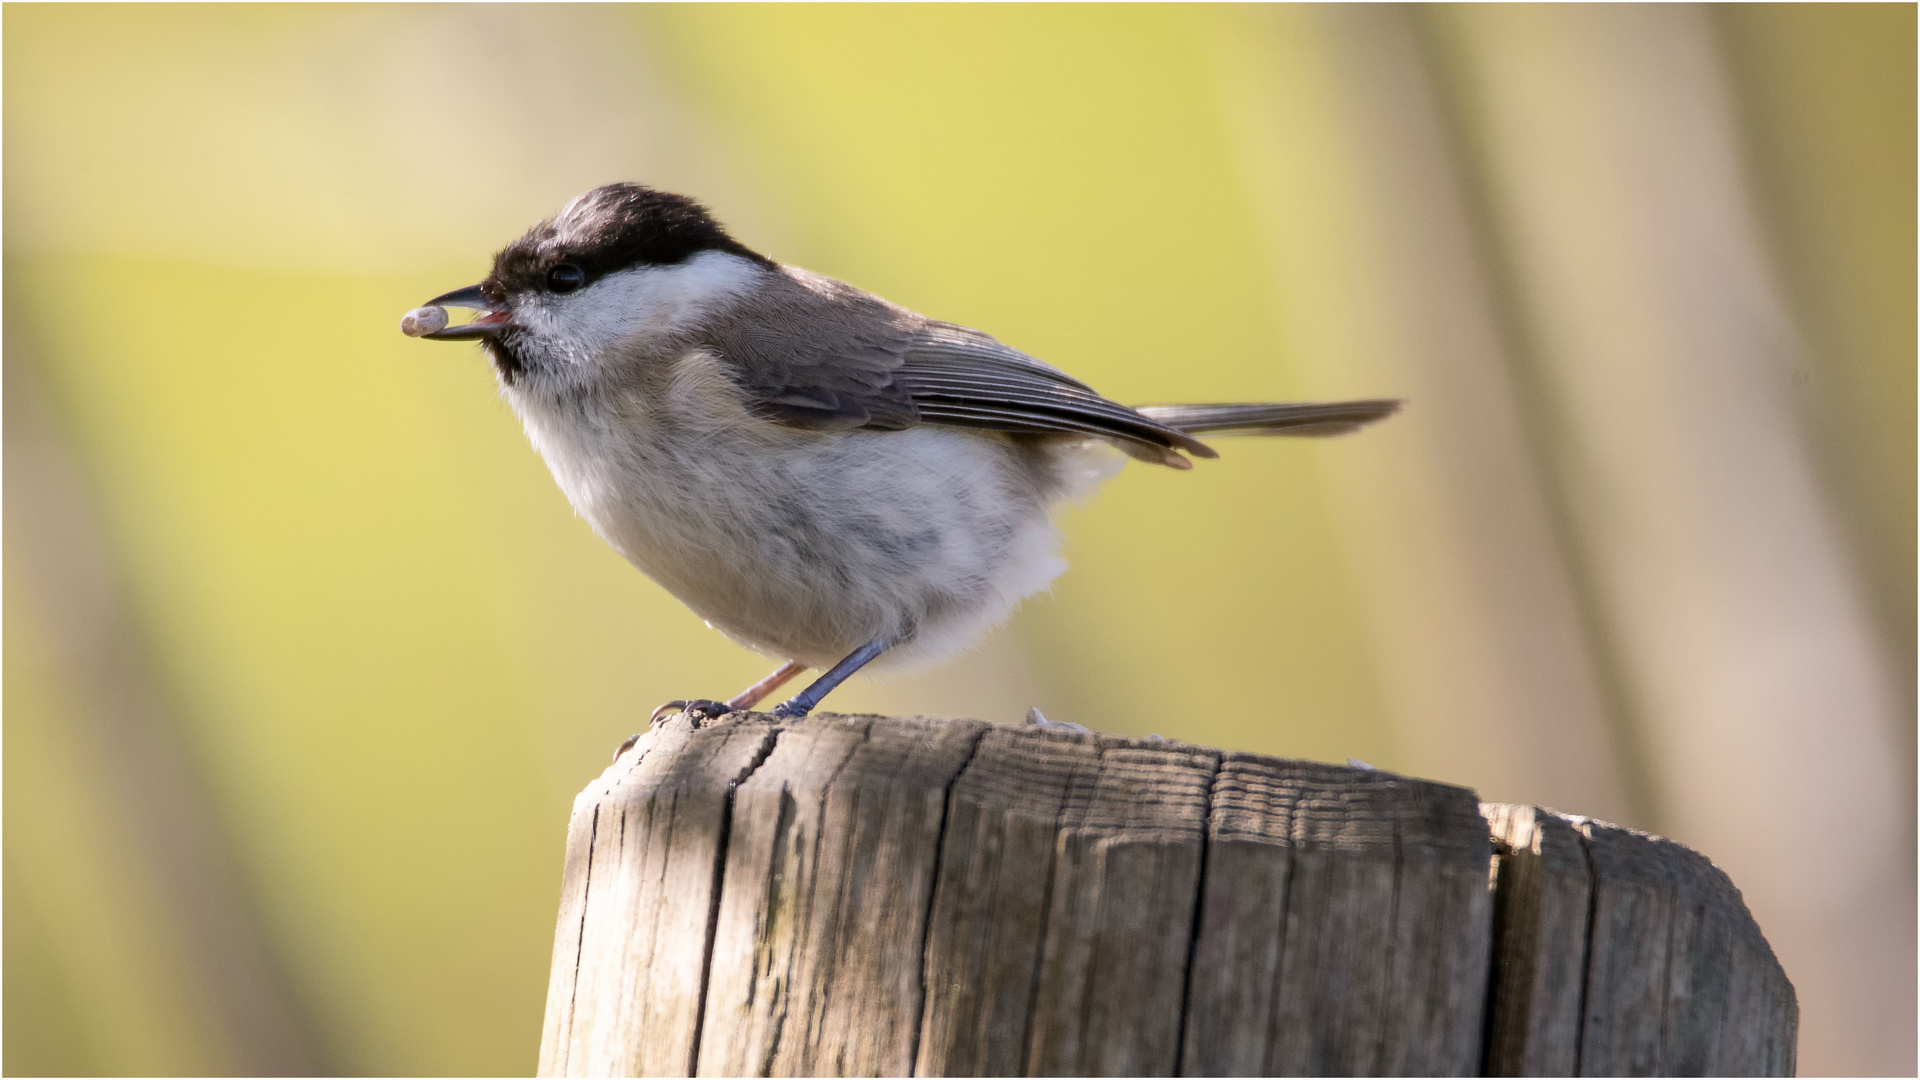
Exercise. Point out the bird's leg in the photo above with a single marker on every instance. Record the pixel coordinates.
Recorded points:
(803, 702)
(752, 695)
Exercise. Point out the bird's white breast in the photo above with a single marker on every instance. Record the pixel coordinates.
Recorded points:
(806, 545)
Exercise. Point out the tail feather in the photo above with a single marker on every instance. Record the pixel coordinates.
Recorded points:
(1295, 418)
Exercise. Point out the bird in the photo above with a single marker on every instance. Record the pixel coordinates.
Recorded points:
(823, 476)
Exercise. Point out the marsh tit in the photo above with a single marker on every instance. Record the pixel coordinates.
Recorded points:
(823, 476)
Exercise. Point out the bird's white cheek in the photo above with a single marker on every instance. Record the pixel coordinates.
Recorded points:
(653, 301)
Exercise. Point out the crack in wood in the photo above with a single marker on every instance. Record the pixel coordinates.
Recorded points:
(713, 901)
(1193, 927)
(1586, 953)
(580, 939)
(828, 883)
(933, 893)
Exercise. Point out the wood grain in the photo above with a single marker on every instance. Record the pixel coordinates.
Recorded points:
(990, 911)
(1126, 874)
(861, 895)
(1624, 954)
(816, 963)
(1344, 926)
(630, 951)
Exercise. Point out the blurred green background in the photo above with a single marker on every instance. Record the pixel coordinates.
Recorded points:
(305, 656)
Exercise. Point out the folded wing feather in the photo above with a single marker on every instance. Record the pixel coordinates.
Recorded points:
(831, 357)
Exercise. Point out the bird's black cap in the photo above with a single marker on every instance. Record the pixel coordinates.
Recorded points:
(616, 227)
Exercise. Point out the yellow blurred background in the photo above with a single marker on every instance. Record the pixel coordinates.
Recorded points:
(305, 656)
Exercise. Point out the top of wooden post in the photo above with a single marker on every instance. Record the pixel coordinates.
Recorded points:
(870, 895)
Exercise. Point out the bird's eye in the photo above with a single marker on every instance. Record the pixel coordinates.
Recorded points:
(565, 278)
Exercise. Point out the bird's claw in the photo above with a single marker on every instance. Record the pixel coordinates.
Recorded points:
(626, 746)
(787, 710)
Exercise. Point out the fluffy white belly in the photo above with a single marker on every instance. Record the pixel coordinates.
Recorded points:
(806, 545)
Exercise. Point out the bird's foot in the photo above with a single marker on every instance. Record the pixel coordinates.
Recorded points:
(697, 710)
(787, 710)
(702, 710)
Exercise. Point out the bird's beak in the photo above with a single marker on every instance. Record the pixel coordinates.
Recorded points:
(488, 323)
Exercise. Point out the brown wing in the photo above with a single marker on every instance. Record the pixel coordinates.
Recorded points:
(822, 355)
(811, 352)
(963, 377)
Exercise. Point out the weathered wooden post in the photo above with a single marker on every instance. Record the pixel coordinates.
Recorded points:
(867, 895)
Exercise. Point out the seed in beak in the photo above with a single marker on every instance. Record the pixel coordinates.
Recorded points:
(423, 321)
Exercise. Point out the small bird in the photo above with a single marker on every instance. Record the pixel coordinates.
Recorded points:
(823, 476)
